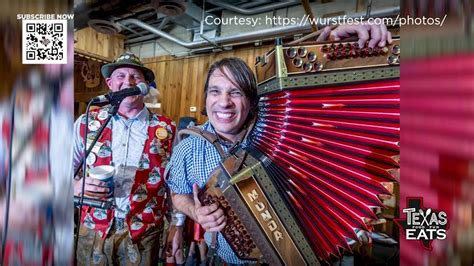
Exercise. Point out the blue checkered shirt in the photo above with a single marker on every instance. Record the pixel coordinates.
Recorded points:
(192, 161)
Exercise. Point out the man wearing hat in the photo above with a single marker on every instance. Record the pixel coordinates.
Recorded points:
(138, 144)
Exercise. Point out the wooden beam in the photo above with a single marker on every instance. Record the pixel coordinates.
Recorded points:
(309, 13)
(360, 5)
(90, 55)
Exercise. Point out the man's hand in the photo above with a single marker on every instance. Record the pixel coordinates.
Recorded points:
(375, 34)
(94, 188)
(211, 217)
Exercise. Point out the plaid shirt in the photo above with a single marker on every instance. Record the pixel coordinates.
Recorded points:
(192, 161)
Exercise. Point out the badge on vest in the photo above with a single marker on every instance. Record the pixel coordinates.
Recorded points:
(154, 177)
(94, 125)
(103, 115)
(144, 162)
(149, 206)
(104, 150)
(100, 214)
(161, 133)
(140, 194)
(136, 225)
(97, 145)
(155, 146)
(89, 222)
(91, 159)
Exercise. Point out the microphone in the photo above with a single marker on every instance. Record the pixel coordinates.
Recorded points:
(114, 96)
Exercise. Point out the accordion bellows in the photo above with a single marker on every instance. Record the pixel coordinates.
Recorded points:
(333, 152)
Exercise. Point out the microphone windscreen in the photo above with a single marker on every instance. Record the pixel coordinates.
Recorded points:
(144, 89)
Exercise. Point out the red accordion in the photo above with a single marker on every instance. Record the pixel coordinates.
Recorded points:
(325, 141)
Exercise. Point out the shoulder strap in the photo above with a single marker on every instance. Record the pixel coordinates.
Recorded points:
(208, 136)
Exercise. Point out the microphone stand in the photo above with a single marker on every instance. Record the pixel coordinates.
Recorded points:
(113, 110)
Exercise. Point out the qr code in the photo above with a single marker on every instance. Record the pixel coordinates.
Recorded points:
(44, 42)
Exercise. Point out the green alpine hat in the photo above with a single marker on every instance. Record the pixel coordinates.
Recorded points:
(127, 59)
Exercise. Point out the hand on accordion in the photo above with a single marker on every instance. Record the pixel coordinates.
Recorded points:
(375, 34)
(211, 217)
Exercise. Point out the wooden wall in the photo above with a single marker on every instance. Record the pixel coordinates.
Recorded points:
(93, 43)
(181, 80)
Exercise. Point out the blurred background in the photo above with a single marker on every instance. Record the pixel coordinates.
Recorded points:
(437, 126)
(36, 116)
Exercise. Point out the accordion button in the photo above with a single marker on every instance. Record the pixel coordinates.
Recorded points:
(302, 52)
(291, 52)
(318, 66)
(297, 62)
(396, 50)
(312, 56)
(392, 60)
(325, 48)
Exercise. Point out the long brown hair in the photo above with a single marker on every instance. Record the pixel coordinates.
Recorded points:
(241, 76)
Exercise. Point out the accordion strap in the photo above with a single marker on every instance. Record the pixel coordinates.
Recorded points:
(210, 137)
(214, 139)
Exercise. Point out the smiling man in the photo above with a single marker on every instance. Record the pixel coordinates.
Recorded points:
(231, 104)
(227, 104)
(138, 143)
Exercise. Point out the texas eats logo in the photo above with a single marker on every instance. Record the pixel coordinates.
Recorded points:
(423, 224)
